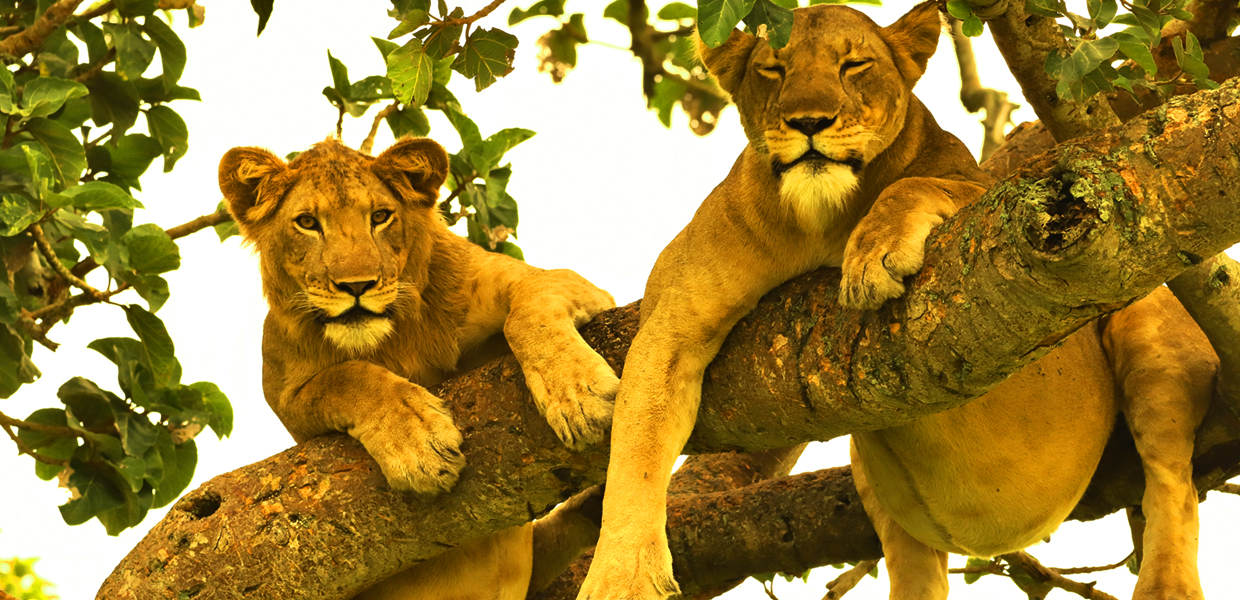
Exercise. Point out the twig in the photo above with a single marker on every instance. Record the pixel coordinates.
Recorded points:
(849, 579)
(102, 9)
(974, 97)
(24, 449)
(1228, 488)
(34, 36)
(97, 68)
(88, 264)
(368, 144)
(1043, 575)
(56, 430)
(486, 10)
(1082, 570)
(770, 590)
(36, 232)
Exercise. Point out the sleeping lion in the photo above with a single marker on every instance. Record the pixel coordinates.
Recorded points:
(372, 300)
(846, 168)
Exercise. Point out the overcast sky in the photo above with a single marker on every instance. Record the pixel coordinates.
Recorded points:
(602, 188)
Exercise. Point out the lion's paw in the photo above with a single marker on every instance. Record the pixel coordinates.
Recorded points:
(630, 572)
(874, 273)
(575, 394)
(416, 444)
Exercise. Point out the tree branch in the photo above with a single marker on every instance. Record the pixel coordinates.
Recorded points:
(486, 10)
(1050, 577)
(1025, 40)
(1041, 255)
(45, 248)
(34, 36)
(368, 144)
(975, 98)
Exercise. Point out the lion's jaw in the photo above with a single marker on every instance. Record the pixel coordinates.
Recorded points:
(818, 174)
(355, 324)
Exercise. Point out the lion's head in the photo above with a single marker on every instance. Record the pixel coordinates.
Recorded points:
(343, 237)
(826, 105)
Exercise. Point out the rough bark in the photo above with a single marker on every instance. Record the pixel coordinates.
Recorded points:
(1074, 234)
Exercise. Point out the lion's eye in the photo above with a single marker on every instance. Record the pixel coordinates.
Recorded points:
(380, 217)
(307, 222)
(855, 66)
(773, 71)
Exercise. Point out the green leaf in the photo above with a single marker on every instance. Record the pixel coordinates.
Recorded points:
(63, 148)
(228, 228)
(168, 128)
(99, 196)
(487, 55)
(16, 214)
(152, 288)
(262, 8)
(45, 95)
(411, 72)
(471, 139)
(959, 9)
(1043, 8)
(7, 104)
(1102, 11)
(1190, 60)
(1135, 50)
(440, 41)
(179, 463)
(1149, 22)
(385, 47)
(92, 36)
(218, 405)
(98, 494)
(113, 100)
(340, 75)
(128, 356)
(618, 11)
(157, 344)
(129, 159)
(677, 11)
(134, 53)
(717, 19)
(45, 443)
(15, 358)
(135, 8)
(970, 578)
(411, 22)
(151, 250)
(549, 8)
(972, 26)
(91, 406)
(137, 432)
(408, 121)
(667, 92)
(494, 147)
(172, 54)
(510, 249)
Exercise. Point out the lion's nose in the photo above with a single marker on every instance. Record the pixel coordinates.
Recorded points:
(355, 288)
(810, 125)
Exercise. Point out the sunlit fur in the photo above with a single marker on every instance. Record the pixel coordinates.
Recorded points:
(359, 336)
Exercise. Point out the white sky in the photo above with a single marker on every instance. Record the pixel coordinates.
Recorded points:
(602, 187)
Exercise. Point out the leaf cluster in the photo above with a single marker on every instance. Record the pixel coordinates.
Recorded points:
(68, 167)
(18, 579)
(1123, 60)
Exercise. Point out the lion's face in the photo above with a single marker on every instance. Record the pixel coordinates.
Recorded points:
(340, 234)
(826, 105)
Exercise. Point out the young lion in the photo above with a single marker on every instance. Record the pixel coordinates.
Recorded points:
(846, 168)
(372, 299)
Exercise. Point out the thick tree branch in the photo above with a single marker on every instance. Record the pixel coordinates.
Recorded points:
(1076, 233)
(34, 36)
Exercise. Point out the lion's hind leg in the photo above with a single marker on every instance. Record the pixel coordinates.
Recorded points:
(1165, 369)
(916, 571)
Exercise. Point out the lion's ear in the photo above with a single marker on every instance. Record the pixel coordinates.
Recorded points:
(913, 39)
(729, 61)
(415, 168)
(253, 180)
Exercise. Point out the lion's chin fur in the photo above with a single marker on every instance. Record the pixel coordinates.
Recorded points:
(817, 195)
(358, 336)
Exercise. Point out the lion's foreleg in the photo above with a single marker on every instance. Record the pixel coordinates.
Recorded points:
(572, 385)
(407, 430)
(1165, 368)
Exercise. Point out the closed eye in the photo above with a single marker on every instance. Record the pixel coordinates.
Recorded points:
(853, 67)
(773, 71)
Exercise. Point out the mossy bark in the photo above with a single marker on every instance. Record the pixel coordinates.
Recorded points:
(1073, 235)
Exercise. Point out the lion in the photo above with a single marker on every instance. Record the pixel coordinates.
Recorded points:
(372, 300)
(846, 168)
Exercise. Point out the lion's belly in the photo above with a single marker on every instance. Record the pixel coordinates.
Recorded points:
(1004, 471)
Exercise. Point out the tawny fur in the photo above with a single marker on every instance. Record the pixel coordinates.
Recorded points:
(372, 299)
(990, 477)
